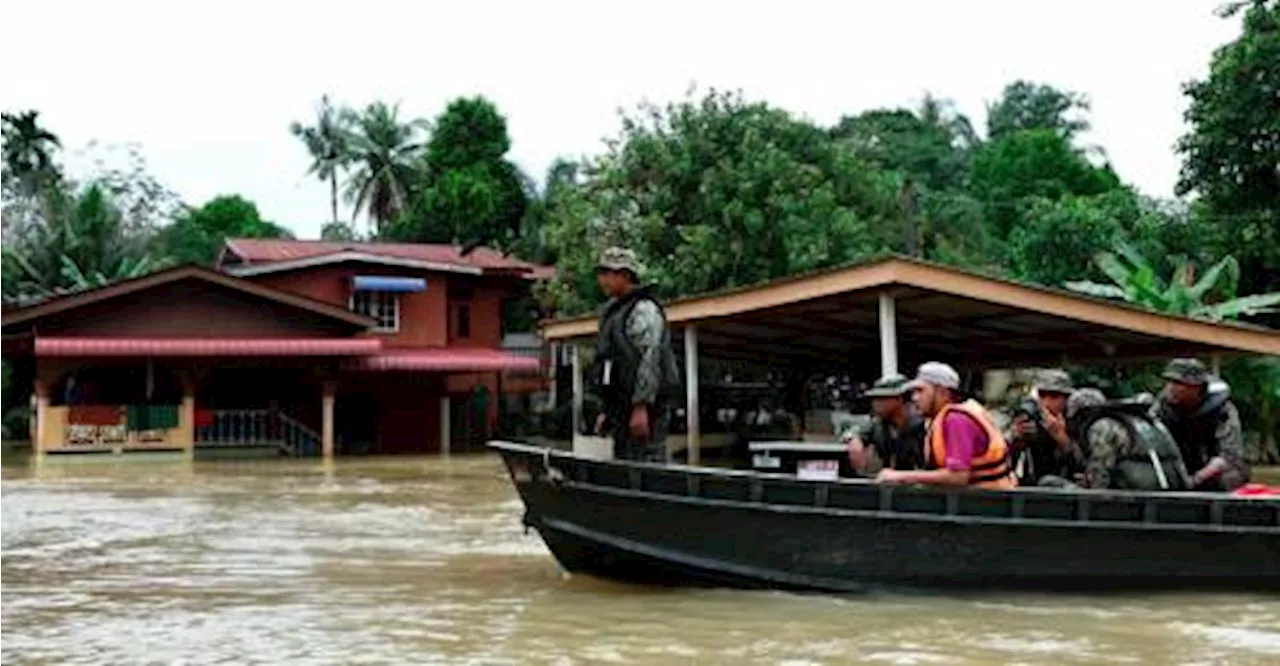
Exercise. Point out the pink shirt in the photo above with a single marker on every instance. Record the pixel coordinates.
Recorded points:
(964, 439)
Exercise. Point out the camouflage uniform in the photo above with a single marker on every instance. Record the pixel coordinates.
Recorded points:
(885, 445)
(634, 364)
(1116, 458)
(1037, 458)
(1210, 430)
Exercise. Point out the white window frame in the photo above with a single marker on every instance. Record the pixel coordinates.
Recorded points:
(378, 303)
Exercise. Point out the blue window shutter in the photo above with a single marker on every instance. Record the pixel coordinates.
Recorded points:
(385, 283)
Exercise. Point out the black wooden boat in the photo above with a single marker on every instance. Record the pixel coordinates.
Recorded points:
(678, 525)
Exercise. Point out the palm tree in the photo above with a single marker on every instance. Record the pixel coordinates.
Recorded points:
(326, 142)
(28, 151)
(384, 153)
(1212, 296)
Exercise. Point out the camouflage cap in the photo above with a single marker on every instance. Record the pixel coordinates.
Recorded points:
(889, 386)
(1054, 381)
(1186, 371)
(1084, 398)
(620, 259)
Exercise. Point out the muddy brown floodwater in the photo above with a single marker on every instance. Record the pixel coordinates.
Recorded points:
(424, 561)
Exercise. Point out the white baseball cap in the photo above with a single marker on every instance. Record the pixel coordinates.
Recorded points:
(938, 374)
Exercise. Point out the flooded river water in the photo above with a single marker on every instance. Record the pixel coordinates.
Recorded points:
(423, 561)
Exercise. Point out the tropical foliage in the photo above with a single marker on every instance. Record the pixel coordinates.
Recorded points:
(1211, 296)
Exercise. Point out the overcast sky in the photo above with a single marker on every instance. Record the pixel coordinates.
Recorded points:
(208, 89)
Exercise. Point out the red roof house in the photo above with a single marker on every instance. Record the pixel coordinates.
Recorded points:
(303, 346)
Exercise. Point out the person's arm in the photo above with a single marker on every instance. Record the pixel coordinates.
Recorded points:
(962, 436)
(1104, 442)
(645, 329)
(1230, 458)
(863, 457)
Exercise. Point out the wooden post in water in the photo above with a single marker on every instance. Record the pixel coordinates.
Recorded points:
(694, 428)
(888, 335)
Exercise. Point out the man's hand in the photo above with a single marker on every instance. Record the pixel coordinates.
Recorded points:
(857, 451)
(639, 424)
(599, 424)
(1057, 428)
(1023, 426)
(890, 476)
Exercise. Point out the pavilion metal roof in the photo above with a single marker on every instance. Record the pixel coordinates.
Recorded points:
(942, 313)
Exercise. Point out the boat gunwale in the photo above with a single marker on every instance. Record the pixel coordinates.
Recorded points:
(1212, 501)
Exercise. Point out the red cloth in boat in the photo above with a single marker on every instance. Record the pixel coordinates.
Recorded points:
(1257, 490)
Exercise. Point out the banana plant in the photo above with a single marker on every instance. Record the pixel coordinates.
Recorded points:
(1211, 296)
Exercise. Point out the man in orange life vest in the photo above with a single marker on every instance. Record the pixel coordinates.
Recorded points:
(963, 447)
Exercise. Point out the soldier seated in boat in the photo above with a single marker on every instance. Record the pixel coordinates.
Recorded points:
(1128, 449)
(963, 445)
(895, 437)
(1042, 450)
(1196, 408)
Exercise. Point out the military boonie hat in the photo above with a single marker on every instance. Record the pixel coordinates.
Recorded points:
(1186, 371)
(1083, 398)
(620, 259)
(1054, 381)
(889, 386)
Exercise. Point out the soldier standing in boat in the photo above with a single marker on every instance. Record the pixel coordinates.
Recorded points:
(1196, 407)
(963, 446)
(1042, 450)
(1128, 449)
(895, 437)
(634, 371)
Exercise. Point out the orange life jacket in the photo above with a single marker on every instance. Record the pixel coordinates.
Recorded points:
(989, 470)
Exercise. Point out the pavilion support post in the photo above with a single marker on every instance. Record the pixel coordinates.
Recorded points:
(694, 444)
(446, 425)
(888, 335)
(40, 417)
(1215, 362)
(576, 360)
(328, 396)
(555, 375)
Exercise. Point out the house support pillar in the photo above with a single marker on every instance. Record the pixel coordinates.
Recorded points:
(1215, 363)
(446, 422)
(187, 414)
(888, 335)
(328, 396)
(39, 430)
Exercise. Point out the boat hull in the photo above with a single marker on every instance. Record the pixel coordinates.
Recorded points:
(694, 526)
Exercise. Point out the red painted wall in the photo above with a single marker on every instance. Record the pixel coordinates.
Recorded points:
(427, 319)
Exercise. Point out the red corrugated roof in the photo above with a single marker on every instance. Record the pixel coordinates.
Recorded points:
(444, 359)
(269, 250)
(206, 346)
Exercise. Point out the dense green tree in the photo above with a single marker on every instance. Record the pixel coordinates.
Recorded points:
(931, 146)
(718, 191)
(384, 155)
(1029, 106)
(338, 231)
(1058, 239)
(81, 244)
(1031, 163)
(199, 233)
(326, 142)
(471, 194)
(1232, 153)
(29, 150)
